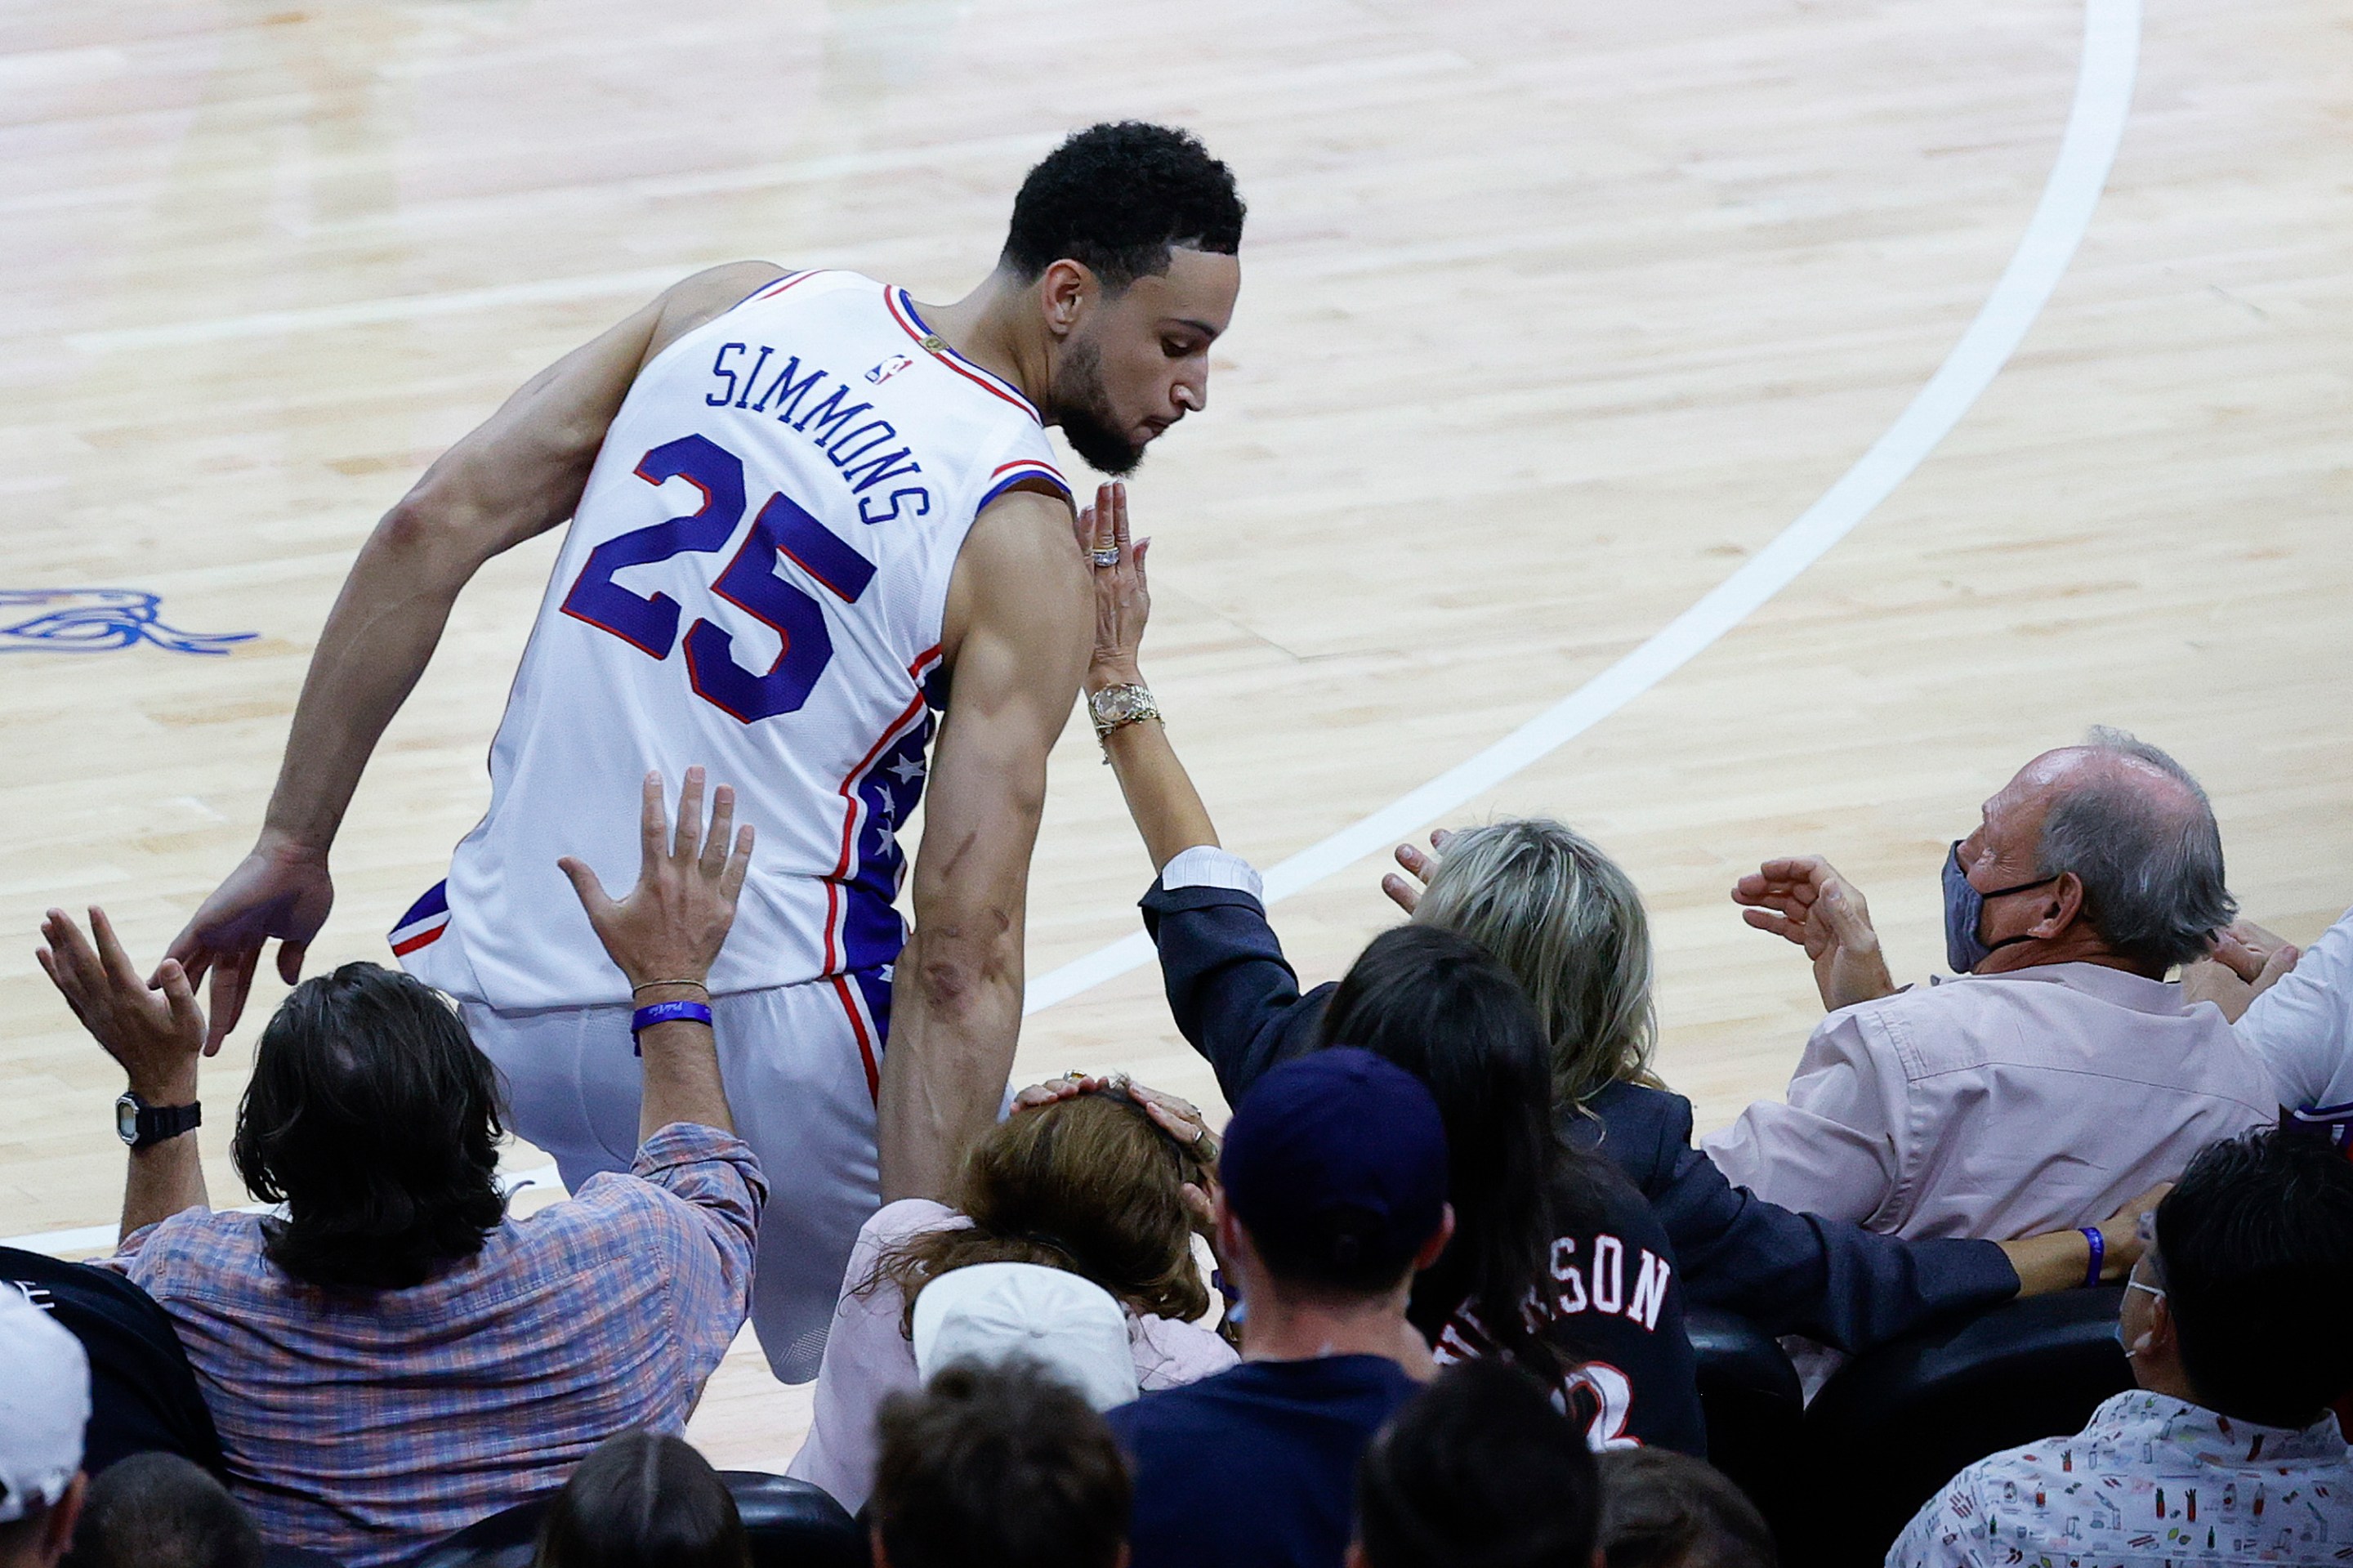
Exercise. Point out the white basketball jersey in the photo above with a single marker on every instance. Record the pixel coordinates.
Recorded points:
(753, 581)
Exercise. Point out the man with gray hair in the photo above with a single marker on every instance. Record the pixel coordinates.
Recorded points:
(2060, 1074)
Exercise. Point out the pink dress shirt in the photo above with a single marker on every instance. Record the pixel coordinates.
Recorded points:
(1997, 1105)
(868, 1358)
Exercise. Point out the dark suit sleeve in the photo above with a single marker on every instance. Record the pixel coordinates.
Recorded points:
(1234, 997)
(1802, 1273)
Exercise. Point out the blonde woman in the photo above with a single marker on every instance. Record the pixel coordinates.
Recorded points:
(1569, 922)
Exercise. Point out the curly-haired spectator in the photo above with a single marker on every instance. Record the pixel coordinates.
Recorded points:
(2234, 1321)
(1095, 1182)
(395, 1358)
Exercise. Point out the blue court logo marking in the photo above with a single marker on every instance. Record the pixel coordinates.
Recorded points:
(97, 621)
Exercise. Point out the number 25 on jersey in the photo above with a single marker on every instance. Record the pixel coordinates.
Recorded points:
(750, 583)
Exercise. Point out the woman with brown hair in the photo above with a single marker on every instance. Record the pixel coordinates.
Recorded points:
(1106, 1184)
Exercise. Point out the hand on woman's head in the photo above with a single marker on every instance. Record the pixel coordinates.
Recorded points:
(1069, 1087)
(1178, 1118)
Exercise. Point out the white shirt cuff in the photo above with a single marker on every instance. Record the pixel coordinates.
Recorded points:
(1205, 865)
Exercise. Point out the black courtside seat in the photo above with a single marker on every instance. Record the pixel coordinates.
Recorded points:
(792, 1524)
(144, 1396)
(1755, 1407)
(1892, 1426)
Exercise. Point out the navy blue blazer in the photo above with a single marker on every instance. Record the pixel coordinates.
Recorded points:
(1237, 1000)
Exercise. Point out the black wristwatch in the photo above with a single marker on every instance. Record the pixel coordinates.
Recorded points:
(140, 1125)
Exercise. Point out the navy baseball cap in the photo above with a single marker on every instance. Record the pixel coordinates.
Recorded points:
(1336, 1163)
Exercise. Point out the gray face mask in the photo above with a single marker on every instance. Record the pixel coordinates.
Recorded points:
(1965, 911)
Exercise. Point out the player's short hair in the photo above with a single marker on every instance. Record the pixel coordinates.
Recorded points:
(1000, 1467)
(159, 1510)
(372, 1117)
(1117, 199)
(1478, 1470)
(1664, 1510)
(2254, 1250)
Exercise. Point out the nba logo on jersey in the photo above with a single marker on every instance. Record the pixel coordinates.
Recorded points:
(888, 368)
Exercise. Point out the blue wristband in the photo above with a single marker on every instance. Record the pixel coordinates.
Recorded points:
(2099, 1253)
(646, 1017)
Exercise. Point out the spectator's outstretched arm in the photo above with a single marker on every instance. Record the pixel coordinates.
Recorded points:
(2059, 1260)
(156, 1032)
(1791, 1273)
(1232, 994)
(1016, 642)
(666, 934)
(520, 473)
(1166, 808)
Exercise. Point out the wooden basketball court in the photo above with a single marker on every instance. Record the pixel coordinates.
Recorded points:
(1553, 317)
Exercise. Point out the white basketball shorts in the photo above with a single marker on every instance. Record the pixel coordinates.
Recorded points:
(801, 1085)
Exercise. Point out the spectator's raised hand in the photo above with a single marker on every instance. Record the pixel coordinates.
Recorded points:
(1123, 595)
(2247, 960)
(156, 1031)
(674, 921)
(1803, 900)
(1407, 895)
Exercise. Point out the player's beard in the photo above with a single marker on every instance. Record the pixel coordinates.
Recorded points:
(1083, 407)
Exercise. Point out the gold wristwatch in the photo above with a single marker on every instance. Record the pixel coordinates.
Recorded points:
(1116, 707)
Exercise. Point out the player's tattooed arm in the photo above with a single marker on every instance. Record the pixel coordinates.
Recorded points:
(517, 475)
(1020, 616)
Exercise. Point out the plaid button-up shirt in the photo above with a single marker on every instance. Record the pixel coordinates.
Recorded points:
(368, 1424)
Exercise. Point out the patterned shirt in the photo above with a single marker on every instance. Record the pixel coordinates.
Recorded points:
(2153, 1482)
(367, 1424)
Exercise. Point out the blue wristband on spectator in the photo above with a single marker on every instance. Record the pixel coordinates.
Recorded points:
(646, 1017)
(2099, 1253)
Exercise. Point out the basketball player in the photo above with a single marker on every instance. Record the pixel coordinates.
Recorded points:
(811, 518)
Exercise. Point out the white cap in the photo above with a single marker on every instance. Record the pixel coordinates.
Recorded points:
(989, 1312)
(44, 1406)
